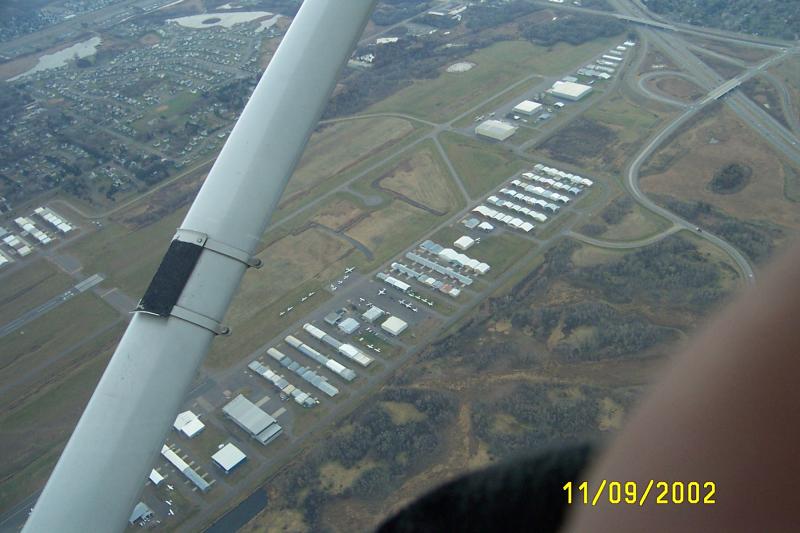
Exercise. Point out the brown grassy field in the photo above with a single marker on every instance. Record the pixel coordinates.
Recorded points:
(765, 94)
(605, 136)
(423, 178)
(679, 88)
(684, 168)
(655, 60)
(340, 146)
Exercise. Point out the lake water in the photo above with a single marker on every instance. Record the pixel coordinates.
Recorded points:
(62, 57)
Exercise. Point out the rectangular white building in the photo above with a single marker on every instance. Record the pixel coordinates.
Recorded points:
(228, 457)
(570, 90)
(394, 326)
(528, 107)
(496, 129)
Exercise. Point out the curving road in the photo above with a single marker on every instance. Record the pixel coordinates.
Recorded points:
(624, 245)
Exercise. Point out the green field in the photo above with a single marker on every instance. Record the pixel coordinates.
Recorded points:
(482, 165)
(169, 110)
(498, 66)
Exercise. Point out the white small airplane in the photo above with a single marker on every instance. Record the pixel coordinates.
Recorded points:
(304, 298)
(402, 302)
(171, 512)
(312, 293)
(345, 276)
(339, 282)
(349, 269)
(415, 309)
(360, 299)
(289, 308)
(377, 350)
(282, 313)
(333, 288)
(168, 502)
(381, 292)
(170, 487)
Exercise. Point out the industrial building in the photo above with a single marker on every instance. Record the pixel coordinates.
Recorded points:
(155, 477)
(464, 243)
(372, 314)
(496, 129)
(436, 267)
(50, 216)
(347, 350)
(252, 419)
(471, 223)
(320, 382)
(141, 512)
(528, 107)
(349, 325)
(427, 280)
(184, 468)
(393, 282)
(333, 317)
(188, 423)
(300, 397)
(451, 256)
(569, 90)
(334, 366)
(228, 457)
(394, 326)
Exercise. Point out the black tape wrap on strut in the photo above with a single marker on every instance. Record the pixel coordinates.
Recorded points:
(167, 285)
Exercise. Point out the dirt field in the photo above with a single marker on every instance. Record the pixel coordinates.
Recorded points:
(423, 178)
(338, 213)
(679, 88)
(721, 139)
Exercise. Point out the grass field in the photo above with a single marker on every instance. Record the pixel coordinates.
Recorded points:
(340, 146)
(497, 67)
(678, 88)
(423, 177)
(511, 94)
(32, 437)
(52, 333)
(128, 258)
(27, 288)
(689, 162)
(481, 165)
(169, 110)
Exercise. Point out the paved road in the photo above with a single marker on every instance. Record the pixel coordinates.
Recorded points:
(624, 245)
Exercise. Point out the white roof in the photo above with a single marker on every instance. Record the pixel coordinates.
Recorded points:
(188, 423)
(248, 415)
(574, 90)
(228, 457)
(464, 242)
(496, 129)
(155, 477)
(527, 106)
(394, 325)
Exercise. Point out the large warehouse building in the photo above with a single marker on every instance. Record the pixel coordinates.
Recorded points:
(496, 129)
(569, 90)
(252, 419)
(528, 107)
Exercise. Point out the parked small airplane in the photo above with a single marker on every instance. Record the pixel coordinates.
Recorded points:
(349, 269)
(381, 292)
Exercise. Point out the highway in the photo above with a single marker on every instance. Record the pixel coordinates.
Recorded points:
(778, 136)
